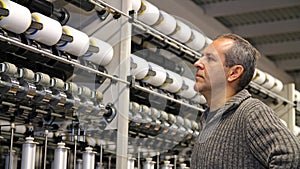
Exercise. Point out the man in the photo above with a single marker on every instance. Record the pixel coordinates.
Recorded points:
(238, 131)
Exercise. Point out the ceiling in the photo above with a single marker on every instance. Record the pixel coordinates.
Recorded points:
(272, 26)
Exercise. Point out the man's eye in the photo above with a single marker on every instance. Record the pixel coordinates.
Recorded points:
(209, 58)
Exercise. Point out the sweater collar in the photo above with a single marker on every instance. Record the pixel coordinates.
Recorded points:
(236, 100)
(232, 104)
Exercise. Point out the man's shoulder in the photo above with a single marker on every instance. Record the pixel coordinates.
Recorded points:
(253, 104)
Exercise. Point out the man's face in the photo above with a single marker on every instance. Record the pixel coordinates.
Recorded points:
(211, 70)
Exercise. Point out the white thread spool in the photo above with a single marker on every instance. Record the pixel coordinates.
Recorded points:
(179, 120)
(189, 92)
(27, 74)
(11, 157)
(8, 68)
(141, 67)
(254, 74)
(28, 154)
(19, 18)
(42, 79)
(195, 126)
(78, 46)
(50, 135)
(166, 165)
(51, 32)
(163, 115)
(198, 41)
(88, 158)
(57, 83)
(278, 86)
(130, 164)
(259, 76)
(208, 40)
(171, 118)
(60, 157)
(176, 85)
(134, 107)
(182, 166)
(167, 25)
(270, 81)
(136, 5)
(202, 100)
(71, 87)
(187, 123)
(79, 164)
(183, 32)
(147, 163)
(5, 125)
(154, 113)
(160, 75)
(20, 129)
(103, 56)
(144, 110)
(199, 99)
(149, 13)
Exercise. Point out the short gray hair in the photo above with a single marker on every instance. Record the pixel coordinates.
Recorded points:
(241, 53)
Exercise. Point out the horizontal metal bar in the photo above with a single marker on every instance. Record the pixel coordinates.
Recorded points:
(103, 4)
(21, 89)
(270, 93)
(49, 55)
(168, 98)
(37, 110)
(149, 29)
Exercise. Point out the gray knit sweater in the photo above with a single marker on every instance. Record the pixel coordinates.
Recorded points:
(245, 133)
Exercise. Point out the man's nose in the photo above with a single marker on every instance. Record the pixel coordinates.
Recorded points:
(199, 65)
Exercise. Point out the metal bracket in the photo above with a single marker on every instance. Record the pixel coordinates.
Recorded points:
(132, 17)
(4, 12)
(131, 80)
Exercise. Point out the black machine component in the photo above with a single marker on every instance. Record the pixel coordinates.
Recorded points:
(83, 4)
(160, 44)
(41, 6)
(46, 8)
(155, 101)
(102, 14)
(3, 11)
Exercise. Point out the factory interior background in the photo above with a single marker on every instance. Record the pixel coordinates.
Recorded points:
(98, 84)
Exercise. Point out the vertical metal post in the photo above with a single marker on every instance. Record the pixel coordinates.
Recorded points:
(123, 89)
(117, 32)
(157, 160)
(75, 150)
(288, 112)
(139, 159)
(291, 115)
(109, 162)
(11, 146)
(175, 160)
(45, 150)
(101, 154)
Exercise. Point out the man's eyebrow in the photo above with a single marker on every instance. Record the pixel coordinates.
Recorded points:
(209, 54)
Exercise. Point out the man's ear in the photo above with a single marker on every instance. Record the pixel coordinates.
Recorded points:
(235, 72)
